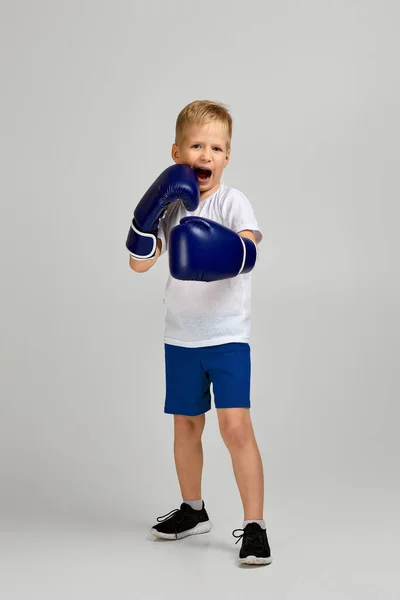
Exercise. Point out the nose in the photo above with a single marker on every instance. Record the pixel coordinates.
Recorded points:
(206, 154)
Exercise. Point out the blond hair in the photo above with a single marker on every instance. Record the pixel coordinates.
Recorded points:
(202, 112)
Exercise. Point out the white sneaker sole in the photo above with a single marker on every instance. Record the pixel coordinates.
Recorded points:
(204, 527)
(256, 560)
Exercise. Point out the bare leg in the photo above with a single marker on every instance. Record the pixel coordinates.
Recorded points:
(238, 434)
(188, 453)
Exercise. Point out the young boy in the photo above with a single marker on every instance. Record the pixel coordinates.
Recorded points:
(211, 233)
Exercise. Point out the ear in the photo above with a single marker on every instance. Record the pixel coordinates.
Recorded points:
(228, 156)
(175, 153)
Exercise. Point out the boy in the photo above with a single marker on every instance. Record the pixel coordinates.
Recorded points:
(211, 234)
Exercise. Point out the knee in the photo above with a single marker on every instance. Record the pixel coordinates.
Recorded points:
(188, 428)
(236, 434)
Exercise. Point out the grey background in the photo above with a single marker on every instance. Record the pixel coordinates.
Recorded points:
(90, 94)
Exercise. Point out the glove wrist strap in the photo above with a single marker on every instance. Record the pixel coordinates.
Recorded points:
(250, 253)
(141, 245)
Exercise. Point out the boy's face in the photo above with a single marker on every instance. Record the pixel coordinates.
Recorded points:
(204, 148)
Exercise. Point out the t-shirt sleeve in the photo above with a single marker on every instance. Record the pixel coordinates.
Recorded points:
(238, 214)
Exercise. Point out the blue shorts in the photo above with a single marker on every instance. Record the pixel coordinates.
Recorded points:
(191, 371)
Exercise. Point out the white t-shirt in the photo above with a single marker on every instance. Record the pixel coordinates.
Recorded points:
(202, 313)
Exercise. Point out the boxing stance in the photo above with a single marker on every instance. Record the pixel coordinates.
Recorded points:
(207, 326)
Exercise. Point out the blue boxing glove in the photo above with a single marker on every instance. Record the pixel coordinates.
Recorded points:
(178, 182)
(203, 250)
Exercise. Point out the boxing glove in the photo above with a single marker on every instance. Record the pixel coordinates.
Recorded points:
(203, 250)
(178, 182)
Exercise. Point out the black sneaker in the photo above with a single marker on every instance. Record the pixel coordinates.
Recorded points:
(181, 522)
(255, 549)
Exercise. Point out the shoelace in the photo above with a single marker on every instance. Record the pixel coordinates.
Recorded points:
(168, 515)
(180, 516)
(254, 537)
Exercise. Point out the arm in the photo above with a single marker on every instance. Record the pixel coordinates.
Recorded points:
(141, 266)
(248, 234)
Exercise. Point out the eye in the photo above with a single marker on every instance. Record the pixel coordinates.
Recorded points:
(216, 148)
(195, 145)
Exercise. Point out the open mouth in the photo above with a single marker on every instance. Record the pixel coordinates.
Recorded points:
(203, 175)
